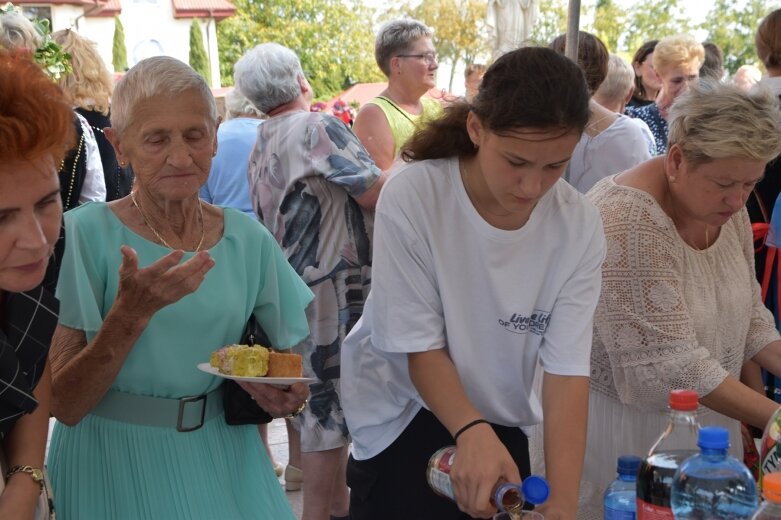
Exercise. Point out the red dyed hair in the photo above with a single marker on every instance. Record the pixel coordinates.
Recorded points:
(35, 118)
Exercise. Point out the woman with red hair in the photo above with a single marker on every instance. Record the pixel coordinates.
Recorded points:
(36, 131)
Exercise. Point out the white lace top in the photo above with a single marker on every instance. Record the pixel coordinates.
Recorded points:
(671, 316)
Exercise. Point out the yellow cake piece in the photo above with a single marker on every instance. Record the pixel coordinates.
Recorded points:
(241, 360)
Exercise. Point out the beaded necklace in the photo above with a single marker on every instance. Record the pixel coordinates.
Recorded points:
(160, 238)
(79, 148)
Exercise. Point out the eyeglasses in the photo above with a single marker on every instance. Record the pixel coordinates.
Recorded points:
(430, 57)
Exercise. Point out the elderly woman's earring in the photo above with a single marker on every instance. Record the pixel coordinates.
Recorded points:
(672, 179)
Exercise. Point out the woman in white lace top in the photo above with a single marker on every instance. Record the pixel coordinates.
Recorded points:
(680, 305)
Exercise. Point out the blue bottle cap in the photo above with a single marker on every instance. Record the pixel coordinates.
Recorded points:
(535, 489)
(713, 438)
(628, 464)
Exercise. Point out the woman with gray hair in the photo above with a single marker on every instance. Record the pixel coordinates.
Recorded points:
(406, 55)
(680, 306)
(141, 431)
(314, 186)
(227, 183)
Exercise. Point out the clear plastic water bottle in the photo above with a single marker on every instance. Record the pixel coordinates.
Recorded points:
(620, 496)
(771, 491)
(712, 484)
(677, 442)
(506, 497)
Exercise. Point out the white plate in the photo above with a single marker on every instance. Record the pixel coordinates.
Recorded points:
(206, 367)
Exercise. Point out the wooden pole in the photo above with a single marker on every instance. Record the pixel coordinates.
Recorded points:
(573, 26)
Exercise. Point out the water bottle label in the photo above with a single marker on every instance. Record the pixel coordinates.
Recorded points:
(617, 514)
(440, 482)
(646, 511)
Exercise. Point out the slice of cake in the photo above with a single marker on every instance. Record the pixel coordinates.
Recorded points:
(241, 360)
(284, 365)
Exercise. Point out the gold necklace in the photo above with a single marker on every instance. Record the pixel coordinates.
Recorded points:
(161, 239)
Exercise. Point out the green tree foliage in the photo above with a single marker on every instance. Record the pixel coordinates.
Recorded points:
(551, 22)
(119, 49)
(459, 28)
(732, 26)
(332, 38)
(654, 20)
(609, 23)
(199, 60)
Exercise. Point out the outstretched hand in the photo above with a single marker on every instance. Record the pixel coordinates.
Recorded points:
(166, 281)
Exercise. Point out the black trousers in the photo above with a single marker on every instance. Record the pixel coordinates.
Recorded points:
(393, 486)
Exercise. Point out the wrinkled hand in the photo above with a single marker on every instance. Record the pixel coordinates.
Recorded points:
(482, 462)
(278, 402)
(146, 291)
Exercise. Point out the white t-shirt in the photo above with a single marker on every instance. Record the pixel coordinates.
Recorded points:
(498, 300)
(618, 147)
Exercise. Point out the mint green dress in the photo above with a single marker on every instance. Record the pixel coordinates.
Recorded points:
(103, 469)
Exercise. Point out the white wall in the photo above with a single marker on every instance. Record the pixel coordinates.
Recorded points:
(150, 30)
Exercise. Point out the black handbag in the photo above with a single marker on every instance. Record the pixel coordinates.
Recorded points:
(240, 408)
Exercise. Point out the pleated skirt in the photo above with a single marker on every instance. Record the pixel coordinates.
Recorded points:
(103, 469)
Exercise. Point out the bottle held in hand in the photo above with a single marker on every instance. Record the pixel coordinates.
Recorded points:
(506, 497)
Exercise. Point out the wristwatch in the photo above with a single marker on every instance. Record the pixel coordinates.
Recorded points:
(35, 473)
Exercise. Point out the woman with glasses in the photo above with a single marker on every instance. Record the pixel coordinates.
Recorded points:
(406, 55)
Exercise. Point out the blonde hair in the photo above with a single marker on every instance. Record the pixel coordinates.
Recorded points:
(90, 84)
(17, 32)
(717, 121)
(677, 50)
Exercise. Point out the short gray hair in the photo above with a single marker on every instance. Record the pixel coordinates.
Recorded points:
(268, 76)
(17, 32)
(395, 37)
(157, 76)
(717, 121)
(237, 105)
(620, 78)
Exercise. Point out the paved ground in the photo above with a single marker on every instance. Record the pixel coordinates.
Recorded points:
(277, 440)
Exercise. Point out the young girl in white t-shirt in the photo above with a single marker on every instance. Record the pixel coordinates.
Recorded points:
(485, 263)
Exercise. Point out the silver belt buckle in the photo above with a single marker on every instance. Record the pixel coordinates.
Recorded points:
(183, 402)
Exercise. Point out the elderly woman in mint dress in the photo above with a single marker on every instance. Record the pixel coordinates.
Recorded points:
(314, 186)
(150, 285)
